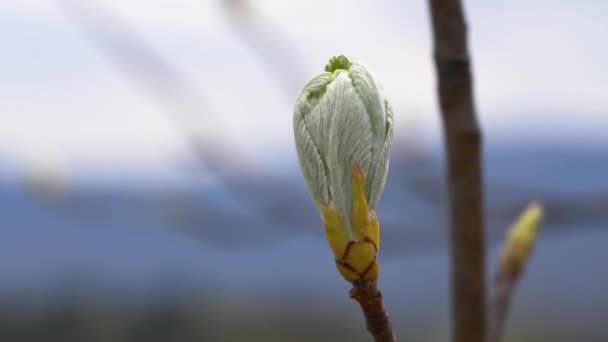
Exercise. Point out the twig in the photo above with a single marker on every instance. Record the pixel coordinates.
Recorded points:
(463, 144)
(504, 287)
(376, 317)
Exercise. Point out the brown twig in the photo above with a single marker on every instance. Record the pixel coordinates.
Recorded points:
(504, 287)
(516, 251)
(463, 144)
(376, 317)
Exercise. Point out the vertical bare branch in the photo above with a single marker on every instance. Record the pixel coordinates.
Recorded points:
(463, 145)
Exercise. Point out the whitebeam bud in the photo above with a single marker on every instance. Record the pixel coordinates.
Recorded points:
(341, 118)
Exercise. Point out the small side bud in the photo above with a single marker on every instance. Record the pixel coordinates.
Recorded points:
(520, 240)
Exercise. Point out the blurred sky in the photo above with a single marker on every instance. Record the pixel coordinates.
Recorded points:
(539, 67)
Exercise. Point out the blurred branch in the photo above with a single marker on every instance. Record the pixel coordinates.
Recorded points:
(154, 76)
(269, 44)
(180, 98)
(161, 81)
(463, 144)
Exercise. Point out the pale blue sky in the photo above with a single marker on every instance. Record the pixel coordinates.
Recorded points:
(540, 68)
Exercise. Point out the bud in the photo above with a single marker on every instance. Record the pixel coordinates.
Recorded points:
(520, 240)
(343, 127)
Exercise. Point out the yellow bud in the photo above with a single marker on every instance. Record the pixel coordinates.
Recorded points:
(520, 239)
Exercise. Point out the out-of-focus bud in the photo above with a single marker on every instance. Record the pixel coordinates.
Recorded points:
(343, 127)
(520, 240)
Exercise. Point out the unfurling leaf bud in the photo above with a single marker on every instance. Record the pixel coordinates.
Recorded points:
(343, 127)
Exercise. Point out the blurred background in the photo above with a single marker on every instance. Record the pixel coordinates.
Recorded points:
(149, 187)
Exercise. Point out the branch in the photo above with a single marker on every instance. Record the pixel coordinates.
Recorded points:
(463, 144)
(504, 287)
(376, 317)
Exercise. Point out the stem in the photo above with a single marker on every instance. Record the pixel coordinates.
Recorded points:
(376, 317)
(504, 287)
(463, 144)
